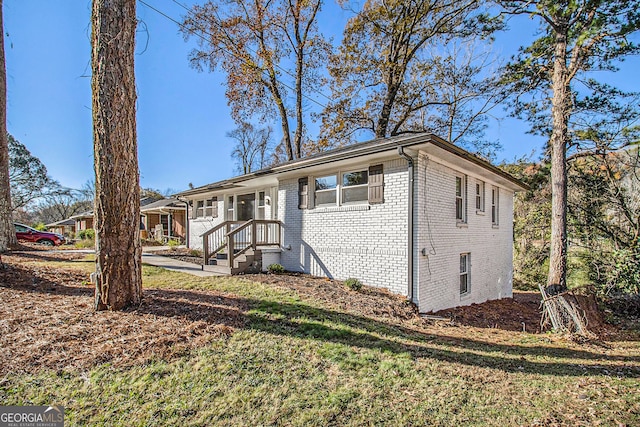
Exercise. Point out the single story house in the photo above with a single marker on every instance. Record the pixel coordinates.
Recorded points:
(83, 221)
(66, 227)
(164, 219)
(414, 214)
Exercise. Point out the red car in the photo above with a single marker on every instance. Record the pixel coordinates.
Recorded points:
(29, 234)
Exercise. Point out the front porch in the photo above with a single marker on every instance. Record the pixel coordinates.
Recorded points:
(234, 247)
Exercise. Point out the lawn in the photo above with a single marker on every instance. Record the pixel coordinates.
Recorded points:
(290, 351)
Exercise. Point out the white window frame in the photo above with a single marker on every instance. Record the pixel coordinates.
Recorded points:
(261, 208)
(230, 203)
(465, 273)
(495, 206)
(343, 187)
(461, 199)
(204, 207)
(340, 187)
(335, 189)
(480, 192)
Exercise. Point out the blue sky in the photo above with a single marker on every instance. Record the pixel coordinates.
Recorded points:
(182, 116)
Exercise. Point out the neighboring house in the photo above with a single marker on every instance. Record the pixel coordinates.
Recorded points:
(168, 217)
(413, 214)
(83, 221)
(66, 227)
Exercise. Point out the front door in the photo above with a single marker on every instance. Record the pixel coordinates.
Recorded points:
(246, 206)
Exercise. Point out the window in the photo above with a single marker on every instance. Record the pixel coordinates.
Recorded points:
(205, 208)
(326, 190)
(303, 193)
(464, 273)
(495, 195)
(461, 202)
(355, 187)
(344, 188)
(480, 196)
(21, 228)
(261, 205)
(230, 208)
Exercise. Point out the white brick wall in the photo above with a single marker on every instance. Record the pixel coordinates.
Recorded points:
(444, 240)
(199, 225)
(365, 242)
(370, 242)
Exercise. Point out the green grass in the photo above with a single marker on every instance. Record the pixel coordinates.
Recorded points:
(300, 363)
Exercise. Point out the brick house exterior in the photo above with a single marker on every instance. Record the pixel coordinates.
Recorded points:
(413, 214)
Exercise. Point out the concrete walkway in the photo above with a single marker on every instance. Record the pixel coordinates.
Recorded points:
(148, 257)
(176, 265)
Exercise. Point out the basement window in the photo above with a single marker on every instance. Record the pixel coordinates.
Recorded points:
(465, 267)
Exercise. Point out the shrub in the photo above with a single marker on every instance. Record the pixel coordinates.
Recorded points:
(173, 244)
(195, 252)
(84, 244)
(353, 284)
(40, 226)
(275, 268)
(88, 234)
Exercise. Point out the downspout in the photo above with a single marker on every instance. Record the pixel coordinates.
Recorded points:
(409, 222)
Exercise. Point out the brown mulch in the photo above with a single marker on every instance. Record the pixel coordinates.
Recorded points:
(47, 320)
(368, 301)
(181, 254)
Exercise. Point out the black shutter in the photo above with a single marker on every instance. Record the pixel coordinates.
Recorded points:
(376, 184)
(303, 193)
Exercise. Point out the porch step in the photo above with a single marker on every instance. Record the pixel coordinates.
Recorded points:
(242, 263)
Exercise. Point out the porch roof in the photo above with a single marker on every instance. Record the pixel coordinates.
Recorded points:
(163, 205)
(375, 148)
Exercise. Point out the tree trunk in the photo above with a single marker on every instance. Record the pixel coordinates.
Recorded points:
(560, 115)
(7, 232)
(117, 201)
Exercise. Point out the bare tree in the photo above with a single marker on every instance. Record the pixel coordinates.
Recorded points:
(252, 146)
(385, 76)
(7, 232)
(255, 42)
(117, 202)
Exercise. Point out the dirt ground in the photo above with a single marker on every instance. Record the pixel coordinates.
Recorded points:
(47, 317)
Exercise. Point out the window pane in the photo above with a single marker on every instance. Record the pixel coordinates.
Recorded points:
(458, 186)
(463, 263)
(464, 288)
(355, 178)
(459, 208)
(326, 182)
(357, 194)
(261, 198)
(326, 197)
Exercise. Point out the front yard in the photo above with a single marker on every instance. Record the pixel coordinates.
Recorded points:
(285, 350)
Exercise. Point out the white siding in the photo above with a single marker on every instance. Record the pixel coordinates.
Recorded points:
(444, 240)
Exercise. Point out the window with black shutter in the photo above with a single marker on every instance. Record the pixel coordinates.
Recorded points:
(303, 193)
(376, 184)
